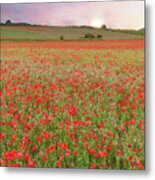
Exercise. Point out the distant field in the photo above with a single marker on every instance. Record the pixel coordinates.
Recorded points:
(42, 33)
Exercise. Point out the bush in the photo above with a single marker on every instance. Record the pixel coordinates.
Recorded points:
(61, 38)
(89, 36)
(99, 36)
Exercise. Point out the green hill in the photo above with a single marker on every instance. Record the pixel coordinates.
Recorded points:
(140, 32)
(45, 33)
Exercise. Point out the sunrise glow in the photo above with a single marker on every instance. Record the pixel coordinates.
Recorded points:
(97, 23)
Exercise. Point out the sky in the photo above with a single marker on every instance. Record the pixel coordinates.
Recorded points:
(114, 14)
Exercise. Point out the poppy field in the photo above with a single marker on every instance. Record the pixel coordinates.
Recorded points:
(73, 104)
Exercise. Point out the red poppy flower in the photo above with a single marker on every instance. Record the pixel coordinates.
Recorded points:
(58, 163)
(71, 111)
(10, 155)
(45, 135)
(103, 154)
(92, 166)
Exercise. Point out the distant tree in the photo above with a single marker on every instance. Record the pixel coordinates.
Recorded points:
(8, 22)
(104, 26)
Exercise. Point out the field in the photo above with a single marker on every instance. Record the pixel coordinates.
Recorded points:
(43, 33)
(73, 104)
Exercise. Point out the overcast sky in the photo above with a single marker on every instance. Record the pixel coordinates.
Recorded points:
(118, 14)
